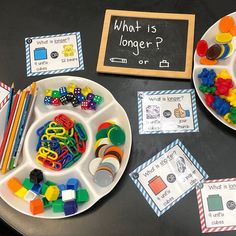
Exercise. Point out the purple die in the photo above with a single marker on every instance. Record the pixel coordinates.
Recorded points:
(90, 96)
(70, 207)
(63, 91)
(77, 91)
(48, 100)
(92, 105)
(80, 97)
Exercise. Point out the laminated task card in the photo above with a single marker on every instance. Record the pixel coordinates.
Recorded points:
(53, 54)
(167, 177)
(167, 111)
(217, 205)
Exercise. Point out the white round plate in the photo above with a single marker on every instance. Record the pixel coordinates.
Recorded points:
(228, 64)
(110, 109)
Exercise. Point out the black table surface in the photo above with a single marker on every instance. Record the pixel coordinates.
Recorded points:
(124, 211)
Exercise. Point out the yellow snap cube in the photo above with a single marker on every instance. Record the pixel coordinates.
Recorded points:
(21, 192)
(52, 193)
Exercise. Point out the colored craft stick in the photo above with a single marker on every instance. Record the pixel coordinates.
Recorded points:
(9, 105)
(5, 136)
(34, 96)
(20, 130)
(13, 133)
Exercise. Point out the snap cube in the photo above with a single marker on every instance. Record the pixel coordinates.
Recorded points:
(27, 183)
(68, 195)
(70, 207)
(47, 100)
(36, 176)
(82, 195)
(36, 206)
(37, 188)
(61, 188)
(46, 203)
(14, 184)
(73, 184)
(58, 206)
(30, 195)
(21, 192)
(52, 193)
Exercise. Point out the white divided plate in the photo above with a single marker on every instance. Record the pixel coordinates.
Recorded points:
(228, 64)
(110, 109)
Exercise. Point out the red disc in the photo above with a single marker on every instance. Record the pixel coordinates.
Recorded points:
(202, 48)
(104, 125)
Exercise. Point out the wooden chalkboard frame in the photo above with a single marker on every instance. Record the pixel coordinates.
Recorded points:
(147, 72)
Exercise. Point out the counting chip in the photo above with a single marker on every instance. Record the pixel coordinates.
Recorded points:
(102, 150)
(112, 161)
(97, 143)
(107, 166)
(93, 165)
(105, 141)
(213, 52)
(104, 125)
(226, 51)
(223, 37)
(114, 149)
(98, 149)
(116, 136)
(103, 178)
(115, 154)
(202, 47)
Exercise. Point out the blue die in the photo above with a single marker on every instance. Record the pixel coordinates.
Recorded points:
(73, 184)
(70, 207)
(63, 91)
(48, 100)
(80, 97)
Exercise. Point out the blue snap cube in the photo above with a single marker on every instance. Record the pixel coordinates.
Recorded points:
(40, 53)
(73, 184)
(61, 188)
(36, 188)
(70, 207)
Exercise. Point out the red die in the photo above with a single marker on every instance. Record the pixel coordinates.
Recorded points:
(56, 102)
(85, 105)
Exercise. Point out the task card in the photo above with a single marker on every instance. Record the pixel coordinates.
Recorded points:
(147, 44)
(217, 205)
(4, 94)
(167, 111)
(53, 54)
(168, 177)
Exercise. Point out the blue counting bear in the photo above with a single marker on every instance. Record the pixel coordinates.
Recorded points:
(221, 106)
(207, 77)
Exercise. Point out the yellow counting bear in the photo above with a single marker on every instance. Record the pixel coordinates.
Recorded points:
(231, 98)
(69, 50)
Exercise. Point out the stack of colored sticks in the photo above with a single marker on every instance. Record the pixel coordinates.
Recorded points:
(19, 110)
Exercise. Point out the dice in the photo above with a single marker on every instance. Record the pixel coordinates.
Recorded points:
(48, 92)
(98, 99)
(80, 97)
(56, 102)
(75, 102)
(70, 96)
(86, 90)
(55, 94)
(90, 96)
(77, 91)
(48, 100)
(92, 105)
(64, 100)
(71, 87)
(85, 105)
(63, 91)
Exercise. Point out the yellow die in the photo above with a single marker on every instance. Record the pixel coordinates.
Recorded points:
(71, 87)
(48, 92)
(86, 90)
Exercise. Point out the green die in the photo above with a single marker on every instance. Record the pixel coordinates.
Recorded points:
(27, 183)
(97, 99)
(82, 195)
(46, 203)
(55, 94)
(58, 206)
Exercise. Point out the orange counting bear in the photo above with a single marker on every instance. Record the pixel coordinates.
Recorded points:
(226, 23)
(36, 206)
(14, 184)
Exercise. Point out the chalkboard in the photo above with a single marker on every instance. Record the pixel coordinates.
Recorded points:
(147, 44)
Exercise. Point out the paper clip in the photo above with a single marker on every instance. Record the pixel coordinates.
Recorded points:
(52, 165)
(59, 131)
(80, 144)
(40, 158)
(65, 121)
(48, 153)
(40, 131)
(80, 131)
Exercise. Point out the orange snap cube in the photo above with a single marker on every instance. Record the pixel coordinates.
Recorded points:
(36, 206)
(14, 184)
